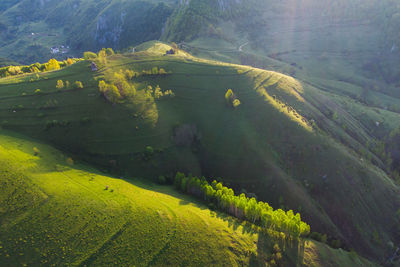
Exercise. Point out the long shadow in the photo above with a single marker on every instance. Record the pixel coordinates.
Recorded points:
(292, 251)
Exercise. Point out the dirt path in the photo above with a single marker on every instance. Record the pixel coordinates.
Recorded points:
(243, 45)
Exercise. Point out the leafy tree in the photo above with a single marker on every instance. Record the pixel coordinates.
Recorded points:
(102, 86)
(102, 57)
(129, 74)
(112, 94)
(109, 52)
(89, 55)
(78, 85)
(60, 84)
(236, 103)
(14, 70)
(229, 96)
(158, 93)
(52, 65)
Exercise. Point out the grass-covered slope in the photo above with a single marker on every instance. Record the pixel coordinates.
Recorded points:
(55, 213)
(270, 145)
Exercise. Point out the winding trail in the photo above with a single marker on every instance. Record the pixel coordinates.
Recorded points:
(243, 45)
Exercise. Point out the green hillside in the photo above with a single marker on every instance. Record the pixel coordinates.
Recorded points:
(6, 62)
(276, 144)
(58, 213)
(28, 29)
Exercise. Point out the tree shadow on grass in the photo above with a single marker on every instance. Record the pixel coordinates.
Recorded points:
(292, 251)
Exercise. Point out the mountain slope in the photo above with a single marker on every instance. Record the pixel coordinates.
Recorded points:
(55, 213)
(269, 145)
(28, 29)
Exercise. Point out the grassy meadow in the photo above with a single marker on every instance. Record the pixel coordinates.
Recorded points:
(56, 212)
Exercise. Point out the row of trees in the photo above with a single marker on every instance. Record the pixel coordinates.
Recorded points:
(52, 64)
(154, 71)
(61, 85)
(157, 92)
(242, 207)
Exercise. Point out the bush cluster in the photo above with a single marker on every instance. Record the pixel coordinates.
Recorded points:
(53, 64)
(231, 98)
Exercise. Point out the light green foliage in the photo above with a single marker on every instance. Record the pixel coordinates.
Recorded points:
(78, 85)
(154, 71)
(229, 96)
(158, 93)
(112, 94)
(110, 91)
(109, 52)
(102, 57)
(235, 103)
(102, 86)
(129, 74)
(119, 79)
(60, 84)
(243, 207)
(14, 70)
(52, 65)
(119, 87)
(89, 55)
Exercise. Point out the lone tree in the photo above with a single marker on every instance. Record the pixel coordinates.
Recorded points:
(52, 65)
(78, 85)
(229, 96)
(60, 84)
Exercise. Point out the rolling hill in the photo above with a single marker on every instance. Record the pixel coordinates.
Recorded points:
(54, 212)
(280, 143)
